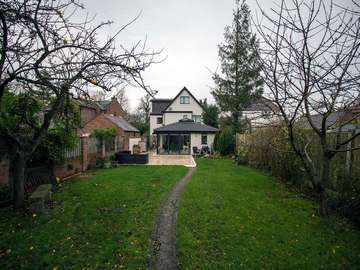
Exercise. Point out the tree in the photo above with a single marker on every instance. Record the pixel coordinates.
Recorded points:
(210, 114)
(224, 142)
(240, 82)
(310, 62)
(141, 118)
(49, 54)
(123, 100)
(144, 107)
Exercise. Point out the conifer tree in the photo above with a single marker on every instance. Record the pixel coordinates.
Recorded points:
(239, 82)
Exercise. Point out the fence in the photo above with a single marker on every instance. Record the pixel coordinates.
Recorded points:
(74, 152)
(269, 149)
(86, 153)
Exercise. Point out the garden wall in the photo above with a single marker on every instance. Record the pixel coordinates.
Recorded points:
(84, 155)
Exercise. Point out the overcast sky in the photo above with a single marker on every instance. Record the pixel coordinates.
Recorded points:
(189, 31)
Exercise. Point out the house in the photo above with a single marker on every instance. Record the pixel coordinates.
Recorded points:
(89, 109)
(176, 125)
(127, 134)
(261, 113)
(108, 114)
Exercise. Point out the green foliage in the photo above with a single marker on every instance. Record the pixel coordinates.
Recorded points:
(239, 82)
(54, 144)
(224, 142)
(102, 220)
(244, 219)
(210, 114)
(104, 134)
(20, 114)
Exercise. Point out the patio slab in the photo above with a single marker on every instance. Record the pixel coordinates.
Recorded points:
(182, 160)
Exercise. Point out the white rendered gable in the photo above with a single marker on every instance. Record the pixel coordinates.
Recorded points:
(193, 106)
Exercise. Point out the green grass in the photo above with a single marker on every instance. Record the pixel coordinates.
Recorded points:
(100, 221)
(233, 217)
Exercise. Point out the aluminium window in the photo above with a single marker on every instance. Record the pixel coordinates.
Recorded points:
(184, 100)
(159, 120)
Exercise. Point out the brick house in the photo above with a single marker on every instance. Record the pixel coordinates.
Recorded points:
(123, 129)
(91, 109)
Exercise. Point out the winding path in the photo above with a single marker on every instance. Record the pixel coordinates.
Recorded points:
(164, 234)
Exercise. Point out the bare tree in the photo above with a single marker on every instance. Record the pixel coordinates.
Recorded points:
(144, 107)
(46, 51)
(310, 61)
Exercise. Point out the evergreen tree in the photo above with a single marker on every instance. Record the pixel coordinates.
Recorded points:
(210, 114)
(239, 82)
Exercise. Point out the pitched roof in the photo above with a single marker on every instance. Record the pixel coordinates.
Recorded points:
(331, 120)
(184, 89)
(88, 103)
(186, 125)
(158, 105)
(121, 123)
(102, 104)
(262, 104)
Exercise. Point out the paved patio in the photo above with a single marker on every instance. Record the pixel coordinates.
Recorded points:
(184, 160)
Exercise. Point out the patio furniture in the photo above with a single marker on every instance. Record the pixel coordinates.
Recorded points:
(196, 151)
(205, 150)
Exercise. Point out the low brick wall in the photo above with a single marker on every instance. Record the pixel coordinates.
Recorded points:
(71, 167)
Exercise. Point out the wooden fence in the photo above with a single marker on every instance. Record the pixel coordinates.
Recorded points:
(269, 149)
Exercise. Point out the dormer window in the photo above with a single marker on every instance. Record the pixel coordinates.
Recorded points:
(184, 100)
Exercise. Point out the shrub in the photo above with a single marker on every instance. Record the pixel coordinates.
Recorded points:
(224, 142)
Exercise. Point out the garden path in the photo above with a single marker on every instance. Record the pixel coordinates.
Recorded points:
(164, 234)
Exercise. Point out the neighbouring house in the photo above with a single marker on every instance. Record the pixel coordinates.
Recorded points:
(261, 113)
(108, 114)
(176, 125)
(89, 109)
(348, 120)
(128, 134)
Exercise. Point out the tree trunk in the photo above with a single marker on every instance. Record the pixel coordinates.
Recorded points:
(235, 122)
(324, 206)
(323, 183)
(18, 172)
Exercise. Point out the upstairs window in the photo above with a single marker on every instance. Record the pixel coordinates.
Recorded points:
(184, 100)
(159, 120)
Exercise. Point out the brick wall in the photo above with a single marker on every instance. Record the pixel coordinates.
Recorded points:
(127, 137)
(115, 108)
(88, 114)
(71, 167)
(100, 122)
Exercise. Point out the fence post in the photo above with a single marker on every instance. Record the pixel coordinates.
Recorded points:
(84, 151)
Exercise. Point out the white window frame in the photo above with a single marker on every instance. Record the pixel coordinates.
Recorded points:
(184, 100)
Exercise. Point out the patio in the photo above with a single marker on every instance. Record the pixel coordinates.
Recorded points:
(182, 160)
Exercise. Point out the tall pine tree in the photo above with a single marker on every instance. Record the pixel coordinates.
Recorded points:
(239, 82)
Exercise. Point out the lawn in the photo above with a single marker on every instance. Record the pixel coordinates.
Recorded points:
(102, 220)
(233, 217)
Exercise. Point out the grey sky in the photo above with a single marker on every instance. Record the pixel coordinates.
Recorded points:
(188, 31)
